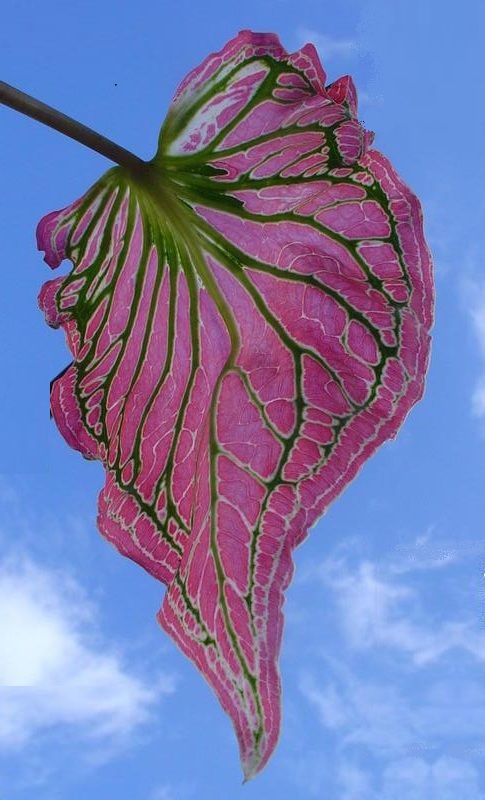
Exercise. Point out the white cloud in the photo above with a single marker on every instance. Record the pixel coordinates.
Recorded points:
(376, 610)
(413, 779)
(309, 770)
(399, 684)
(162, 793)
(179, 791)
(394, 718)
(327, 702)
(355, 782)
(478, 399)
(56, 671)
(478, 316)
(475, 301)
(328, 46)
(361, 712)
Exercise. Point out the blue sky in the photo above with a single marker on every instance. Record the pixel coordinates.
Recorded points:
(384, 649)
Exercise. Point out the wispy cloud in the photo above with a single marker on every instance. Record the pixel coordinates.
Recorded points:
(392, 677)
(56, 670)
(162, 793)
(475, 297)
(429, 551)
(181, 791)
(354, 782)
(392, 719)
(376, 610)
(328, 46)
(413, 779)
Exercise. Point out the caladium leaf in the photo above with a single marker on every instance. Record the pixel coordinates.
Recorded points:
(249, 320)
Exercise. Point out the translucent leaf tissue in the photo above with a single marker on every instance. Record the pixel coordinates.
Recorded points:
(249, 320)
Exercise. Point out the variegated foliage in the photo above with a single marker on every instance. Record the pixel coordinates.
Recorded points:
(249, 320)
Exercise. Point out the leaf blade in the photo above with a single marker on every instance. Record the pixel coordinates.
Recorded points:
(249, 321)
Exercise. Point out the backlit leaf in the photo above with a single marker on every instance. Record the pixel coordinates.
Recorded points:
(249, 320)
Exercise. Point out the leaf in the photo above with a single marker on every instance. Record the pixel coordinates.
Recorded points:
(249, 320)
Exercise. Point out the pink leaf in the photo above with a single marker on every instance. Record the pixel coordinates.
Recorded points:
(249, 320)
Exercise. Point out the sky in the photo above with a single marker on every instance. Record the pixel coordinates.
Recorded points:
(383, 654)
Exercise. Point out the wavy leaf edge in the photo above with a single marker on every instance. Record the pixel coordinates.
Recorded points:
(249, 320)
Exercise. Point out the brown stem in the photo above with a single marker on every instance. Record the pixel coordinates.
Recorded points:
(28, 105)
